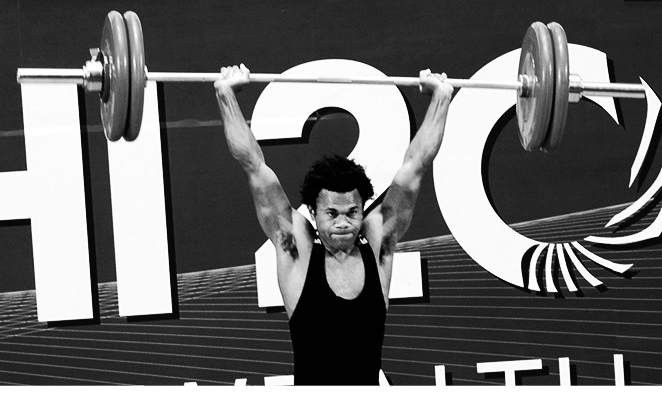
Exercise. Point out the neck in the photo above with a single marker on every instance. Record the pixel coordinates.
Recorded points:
(340, 253)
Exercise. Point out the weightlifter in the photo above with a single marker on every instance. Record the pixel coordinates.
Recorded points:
(334, 278)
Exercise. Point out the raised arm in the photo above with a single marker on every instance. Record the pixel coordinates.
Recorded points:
(397, 207)
(271, 203)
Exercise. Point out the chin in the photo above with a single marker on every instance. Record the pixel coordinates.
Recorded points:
(345, 241)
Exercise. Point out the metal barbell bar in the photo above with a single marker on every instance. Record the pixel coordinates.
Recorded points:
(82, 78)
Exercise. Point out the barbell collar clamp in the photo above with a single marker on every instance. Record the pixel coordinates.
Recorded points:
(525, 86)
(93, 72)
(576, 91)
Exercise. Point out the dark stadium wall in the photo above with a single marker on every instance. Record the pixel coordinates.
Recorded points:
(216, 229)
(212, 217)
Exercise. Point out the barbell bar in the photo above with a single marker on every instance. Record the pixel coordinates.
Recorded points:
(82, 78)
(544, 85)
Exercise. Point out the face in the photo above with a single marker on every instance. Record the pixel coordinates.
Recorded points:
(338, 217)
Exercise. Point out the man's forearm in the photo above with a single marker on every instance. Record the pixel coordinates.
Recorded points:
(241, 142)
(426, 143)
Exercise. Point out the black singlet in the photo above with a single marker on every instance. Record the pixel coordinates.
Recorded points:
(337, 341)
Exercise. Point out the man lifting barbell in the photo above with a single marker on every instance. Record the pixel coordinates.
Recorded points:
(334, 279)
(324, 351)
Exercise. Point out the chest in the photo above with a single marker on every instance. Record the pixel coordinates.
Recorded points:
(347, 278)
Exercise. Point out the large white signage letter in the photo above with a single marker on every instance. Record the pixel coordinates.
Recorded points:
(51, 193)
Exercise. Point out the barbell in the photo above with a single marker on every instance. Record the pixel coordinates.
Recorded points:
(544, 85)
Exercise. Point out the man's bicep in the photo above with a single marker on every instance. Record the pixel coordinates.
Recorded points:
(397, 208)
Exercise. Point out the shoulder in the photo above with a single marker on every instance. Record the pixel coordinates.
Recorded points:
(294, 248)
(383, 249)
(382, 243)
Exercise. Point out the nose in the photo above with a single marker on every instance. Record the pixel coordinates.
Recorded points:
(342, 222)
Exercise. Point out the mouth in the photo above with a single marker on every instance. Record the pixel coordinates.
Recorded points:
(342, 235)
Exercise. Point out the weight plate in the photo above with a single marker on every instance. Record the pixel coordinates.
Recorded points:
(561, 87)
(138, 79)
(535, 108)
(115, 90)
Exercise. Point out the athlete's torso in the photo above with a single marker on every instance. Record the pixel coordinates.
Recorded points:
(337, 340)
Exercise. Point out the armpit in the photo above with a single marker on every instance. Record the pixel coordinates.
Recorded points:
(287, 242)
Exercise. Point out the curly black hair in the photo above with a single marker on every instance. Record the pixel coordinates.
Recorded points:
(335, 173)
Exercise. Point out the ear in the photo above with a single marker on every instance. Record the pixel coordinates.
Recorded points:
(311, 210)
